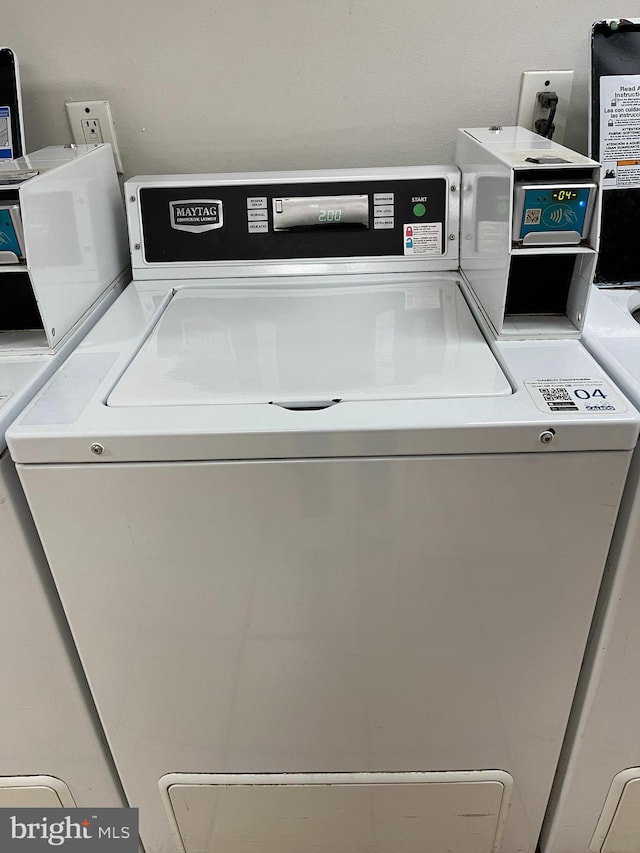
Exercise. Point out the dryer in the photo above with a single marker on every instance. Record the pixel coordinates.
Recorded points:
(329, 550)
(596, 801)
(63, 261)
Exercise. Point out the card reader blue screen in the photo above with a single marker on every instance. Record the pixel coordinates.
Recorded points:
(554, 209)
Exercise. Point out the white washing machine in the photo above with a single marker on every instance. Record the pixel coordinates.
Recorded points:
(596, 797)
(330, 554)
(63, 238)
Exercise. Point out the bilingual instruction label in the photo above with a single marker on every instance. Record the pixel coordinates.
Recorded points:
(574, 396)
(423, 238)
(620, 131)
(5, 396)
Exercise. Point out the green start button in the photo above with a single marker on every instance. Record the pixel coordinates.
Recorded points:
(419, 210)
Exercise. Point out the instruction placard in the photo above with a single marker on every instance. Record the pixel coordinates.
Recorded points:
(620, 131)
(574, 396)
(4, 397)
(423, 238)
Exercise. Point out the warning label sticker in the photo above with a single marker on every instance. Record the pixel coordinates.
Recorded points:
(577, 396)
(423, 238)
(620, 131)
(4, 397)
(491, 236)
(423, 298)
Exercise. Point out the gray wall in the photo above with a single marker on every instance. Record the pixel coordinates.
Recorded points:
(217, 85)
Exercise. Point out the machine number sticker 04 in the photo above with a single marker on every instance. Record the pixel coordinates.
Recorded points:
(574, 396)
(5, 396)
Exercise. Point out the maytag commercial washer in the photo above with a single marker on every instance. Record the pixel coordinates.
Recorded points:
(329, 554)
(596, 797)
(63, 259)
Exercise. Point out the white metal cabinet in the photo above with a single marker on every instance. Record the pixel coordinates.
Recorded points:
(52, 748)
(340, 615)
(595, 793)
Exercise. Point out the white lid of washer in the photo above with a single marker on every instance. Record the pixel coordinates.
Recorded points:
(304, 346)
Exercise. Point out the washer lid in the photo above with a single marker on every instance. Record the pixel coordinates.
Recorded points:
(306, 347)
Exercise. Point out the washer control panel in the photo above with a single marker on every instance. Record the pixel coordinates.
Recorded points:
(210, 221)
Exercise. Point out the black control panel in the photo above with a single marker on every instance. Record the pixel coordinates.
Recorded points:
(337, 219)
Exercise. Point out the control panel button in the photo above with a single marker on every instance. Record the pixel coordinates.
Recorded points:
(383, 222)
(258, 227)
(419, 209)
(255, 202)
(254, 215)
(383, 198)
(383, 210)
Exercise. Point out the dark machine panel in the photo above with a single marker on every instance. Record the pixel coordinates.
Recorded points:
(294, 221)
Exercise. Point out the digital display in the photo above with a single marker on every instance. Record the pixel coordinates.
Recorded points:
(321, 212)
(564, 195)
(328, 215)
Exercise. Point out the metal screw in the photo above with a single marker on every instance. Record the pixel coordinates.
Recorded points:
(132, 198)
(452, 236)
(547, 436)
(495, 128)
(454, 189)
(98, 449)
(136, 245)
(53, 333)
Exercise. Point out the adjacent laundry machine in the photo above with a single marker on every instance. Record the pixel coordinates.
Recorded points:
(329, 547)
(596, 801)
(63, 261)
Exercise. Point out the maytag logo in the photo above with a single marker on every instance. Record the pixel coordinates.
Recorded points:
(36, 831)
(196, 214)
